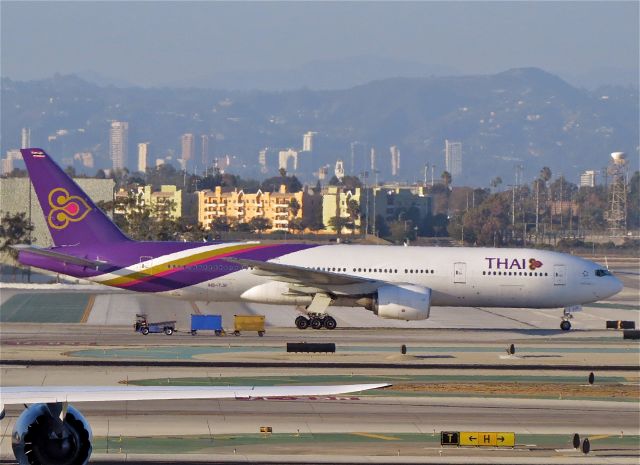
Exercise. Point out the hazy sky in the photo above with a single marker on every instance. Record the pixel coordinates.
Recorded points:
(150, 43)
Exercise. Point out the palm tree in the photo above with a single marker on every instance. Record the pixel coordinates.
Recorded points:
(446, 178)
(353, 209)
(294, 207)
(14, 229)
(338, 223)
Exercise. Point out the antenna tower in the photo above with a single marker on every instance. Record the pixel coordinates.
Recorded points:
(617, 214)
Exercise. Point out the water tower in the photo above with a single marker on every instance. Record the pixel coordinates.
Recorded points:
(617, 214)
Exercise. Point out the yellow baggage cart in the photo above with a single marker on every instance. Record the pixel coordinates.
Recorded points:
(248, 323)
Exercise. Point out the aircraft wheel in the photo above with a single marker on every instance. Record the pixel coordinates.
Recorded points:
(302, 322)
(330, 322)
(565, 325)
(316, 323)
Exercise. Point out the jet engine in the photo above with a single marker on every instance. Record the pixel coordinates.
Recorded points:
(402, 302)
(40, 437)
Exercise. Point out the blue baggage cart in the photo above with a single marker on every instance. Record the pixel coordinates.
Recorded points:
(206, 323)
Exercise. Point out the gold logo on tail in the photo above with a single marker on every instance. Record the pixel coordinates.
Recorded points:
(65, 208)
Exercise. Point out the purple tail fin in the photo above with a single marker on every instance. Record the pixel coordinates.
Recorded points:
(71, 216)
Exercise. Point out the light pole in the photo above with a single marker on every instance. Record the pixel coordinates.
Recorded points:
(365, 175)
(375, 231)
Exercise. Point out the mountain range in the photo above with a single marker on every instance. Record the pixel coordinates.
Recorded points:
(521, 116)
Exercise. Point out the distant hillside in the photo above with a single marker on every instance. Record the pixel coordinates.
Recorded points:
(523, 116)
(316, 75)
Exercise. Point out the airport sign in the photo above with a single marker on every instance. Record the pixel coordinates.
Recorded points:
(449, 438)
(477, 439)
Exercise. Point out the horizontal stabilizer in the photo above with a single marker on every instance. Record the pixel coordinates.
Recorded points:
(61, 257)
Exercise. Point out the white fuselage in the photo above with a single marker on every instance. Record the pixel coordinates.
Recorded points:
(488, 277)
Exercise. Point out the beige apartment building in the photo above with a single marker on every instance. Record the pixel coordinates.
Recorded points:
(335, 202)
(169, 200)
(240, 207)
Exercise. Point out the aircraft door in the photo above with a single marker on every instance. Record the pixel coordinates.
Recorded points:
(460, 272)
(146, 262)
(559, 275)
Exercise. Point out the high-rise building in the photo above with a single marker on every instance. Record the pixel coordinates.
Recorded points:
(119, 144)
(395, 160)
(308, 141)
(372, 159)
(7, 163)
(588, 179)
(204, 153)
(339, 170)
(453, 158)
(25, 138)
(187, 147)
(262, 160)
(283, 159)
(85, 158)
(143, 156)
(323, 172)
(358, 162)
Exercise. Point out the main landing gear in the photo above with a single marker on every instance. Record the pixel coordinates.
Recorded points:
(316, 321)
(316, 316)
(567, 316)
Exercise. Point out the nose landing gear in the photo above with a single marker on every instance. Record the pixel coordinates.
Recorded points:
(567, 316)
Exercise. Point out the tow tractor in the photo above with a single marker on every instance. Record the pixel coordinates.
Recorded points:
(316, 321)
(143, 326)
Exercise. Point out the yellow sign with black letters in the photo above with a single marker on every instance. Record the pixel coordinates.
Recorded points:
(487, 439)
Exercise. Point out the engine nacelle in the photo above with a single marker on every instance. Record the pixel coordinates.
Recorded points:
(39, 438)
(403, 302)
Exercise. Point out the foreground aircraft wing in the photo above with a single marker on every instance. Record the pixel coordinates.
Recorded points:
(71, 394)
(300, 275)
(61, 257)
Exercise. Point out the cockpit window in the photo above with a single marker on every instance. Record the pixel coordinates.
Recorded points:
(602, 272)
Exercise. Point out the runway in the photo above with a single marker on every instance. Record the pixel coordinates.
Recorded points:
(455, 376)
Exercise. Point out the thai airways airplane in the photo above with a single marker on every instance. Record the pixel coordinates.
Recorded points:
(393, 282)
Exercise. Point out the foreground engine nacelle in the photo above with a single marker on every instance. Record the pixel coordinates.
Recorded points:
(403, 302)
(40, 438)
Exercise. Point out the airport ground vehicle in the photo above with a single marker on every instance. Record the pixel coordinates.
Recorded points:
(143, 326)
(248, 323)
(316, 321)
(206, 323)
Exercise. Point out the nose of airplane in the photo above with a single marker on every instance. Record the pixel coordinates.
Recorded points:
(616, 285)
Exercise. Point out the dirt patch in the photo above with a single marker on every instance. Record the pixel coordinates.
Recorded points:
(617, 391)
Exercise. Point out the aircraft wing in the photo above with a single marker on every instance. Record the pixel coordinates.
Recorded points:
(72, 394)
(300, 275)
(64, 258)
